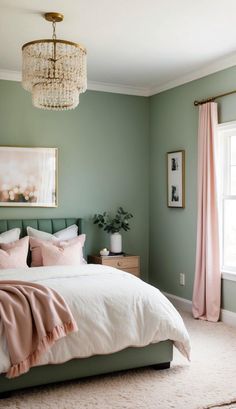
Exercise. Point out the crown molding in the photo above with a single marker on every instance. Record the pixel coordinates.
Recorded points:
(218, 65)
(92, 85)
(118, 89)
(10, 75)
(209, 69)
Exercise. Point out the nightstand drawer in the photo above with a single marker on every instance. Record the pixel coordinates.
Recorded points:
(134, 271)
(130, 264)
(122, 262)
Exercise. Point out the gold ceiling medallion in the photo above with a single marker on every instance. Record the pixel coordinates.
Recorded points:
(54, 71)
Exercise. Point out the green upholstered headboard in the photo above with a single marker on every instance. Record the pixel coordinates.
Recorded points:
(48, 225)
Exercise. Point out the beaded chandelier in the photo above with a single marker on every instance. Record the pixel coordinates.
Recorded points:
(54, 71)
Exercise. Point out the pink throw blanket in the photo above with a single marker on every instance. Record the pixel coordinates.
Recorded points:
(34, 317)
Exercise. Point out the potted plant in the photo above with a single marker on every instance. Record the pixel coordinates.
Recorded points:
(114, 225)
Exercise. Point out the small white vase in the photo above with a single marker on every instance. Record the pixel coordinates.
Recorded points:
(116, 243)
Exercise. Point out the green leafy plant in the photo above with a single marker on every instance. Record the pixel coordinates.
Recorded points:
(115, 224)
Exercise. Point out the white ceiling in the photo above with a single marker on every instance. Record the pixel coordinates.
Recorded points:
(142, 46)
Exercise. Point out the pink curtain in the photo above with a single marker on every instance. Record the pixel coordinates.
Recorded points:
(207, 284)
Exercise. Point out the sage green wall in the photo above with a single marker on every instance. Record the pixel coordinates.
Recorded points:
(103, 158)
(173, 126)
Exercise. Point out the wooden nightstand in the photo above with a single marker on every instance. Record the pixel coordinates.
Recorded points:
(130, 264)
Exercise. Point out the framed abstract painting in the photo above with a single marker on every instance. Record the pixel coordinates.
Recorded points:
(176, 179)
(28, 176)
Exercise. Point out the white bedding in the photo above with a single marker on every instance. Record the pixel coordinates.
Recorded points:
(113, 310)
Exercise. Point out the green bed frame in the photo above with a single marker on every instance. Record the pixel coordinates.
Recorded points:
(157, 355)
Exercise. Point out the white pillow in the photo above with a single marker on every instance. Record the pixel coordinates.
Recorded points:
(10, 236)
(66, 234)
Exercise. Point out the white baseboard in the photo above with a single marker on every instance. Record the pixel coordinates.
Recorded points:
(228, 317)
(179, 303)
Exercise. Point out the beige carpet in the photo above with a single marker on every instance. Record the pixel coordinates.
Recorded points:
(210, 379)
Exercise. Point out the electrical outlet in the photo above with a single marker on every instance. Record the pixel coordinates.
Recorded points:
(182, 279)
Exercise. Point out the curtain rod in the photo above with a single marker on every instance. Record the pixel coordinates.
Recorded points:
(211, 99)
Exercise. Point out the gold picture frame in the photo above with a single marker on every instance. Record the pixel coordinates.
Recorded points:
(176, 179)
(28, 177)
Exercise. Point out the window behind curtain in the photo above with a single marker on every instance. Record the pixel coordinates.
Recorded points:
(227, 195)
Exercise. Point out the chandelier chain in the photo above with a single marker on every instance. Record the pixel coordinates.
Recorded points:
(54, 37)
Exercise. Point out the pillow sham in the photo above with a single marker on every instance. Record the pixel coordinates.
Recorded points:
(69, 233)
(10, 236)
(14, 255)
(37, 244)
(66, 234)
(65, 253)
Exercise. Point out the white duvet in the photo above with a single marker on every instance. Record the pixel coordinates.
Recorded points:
(113, 310)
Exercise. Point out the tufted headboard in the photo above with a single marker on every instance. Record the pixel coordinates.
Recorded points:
(48, 225)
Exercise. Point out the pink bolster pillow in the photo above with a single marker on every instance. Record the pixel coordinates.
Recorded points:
(14, 255)
(41, 251)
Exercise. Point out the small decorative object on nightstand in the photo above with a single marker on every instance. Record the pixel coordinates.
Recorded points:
(128, 263)
(104, 252)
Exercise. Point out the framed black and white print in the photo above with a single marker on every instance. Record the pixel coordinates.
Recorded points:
(176, 179)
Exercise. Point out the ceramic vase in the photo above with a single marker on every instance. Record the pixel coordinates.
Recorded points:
(116, 243)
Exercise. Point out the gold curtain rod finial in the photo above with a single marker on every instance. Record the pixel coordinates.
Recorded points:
(54, 17)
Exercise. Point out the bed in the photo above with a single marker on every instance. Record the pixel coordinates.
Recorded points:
(156, 354)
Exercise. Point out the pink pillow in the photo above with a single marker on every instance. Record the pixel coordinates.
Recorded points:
(37, 244)
(14, 255)
(61, 254)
